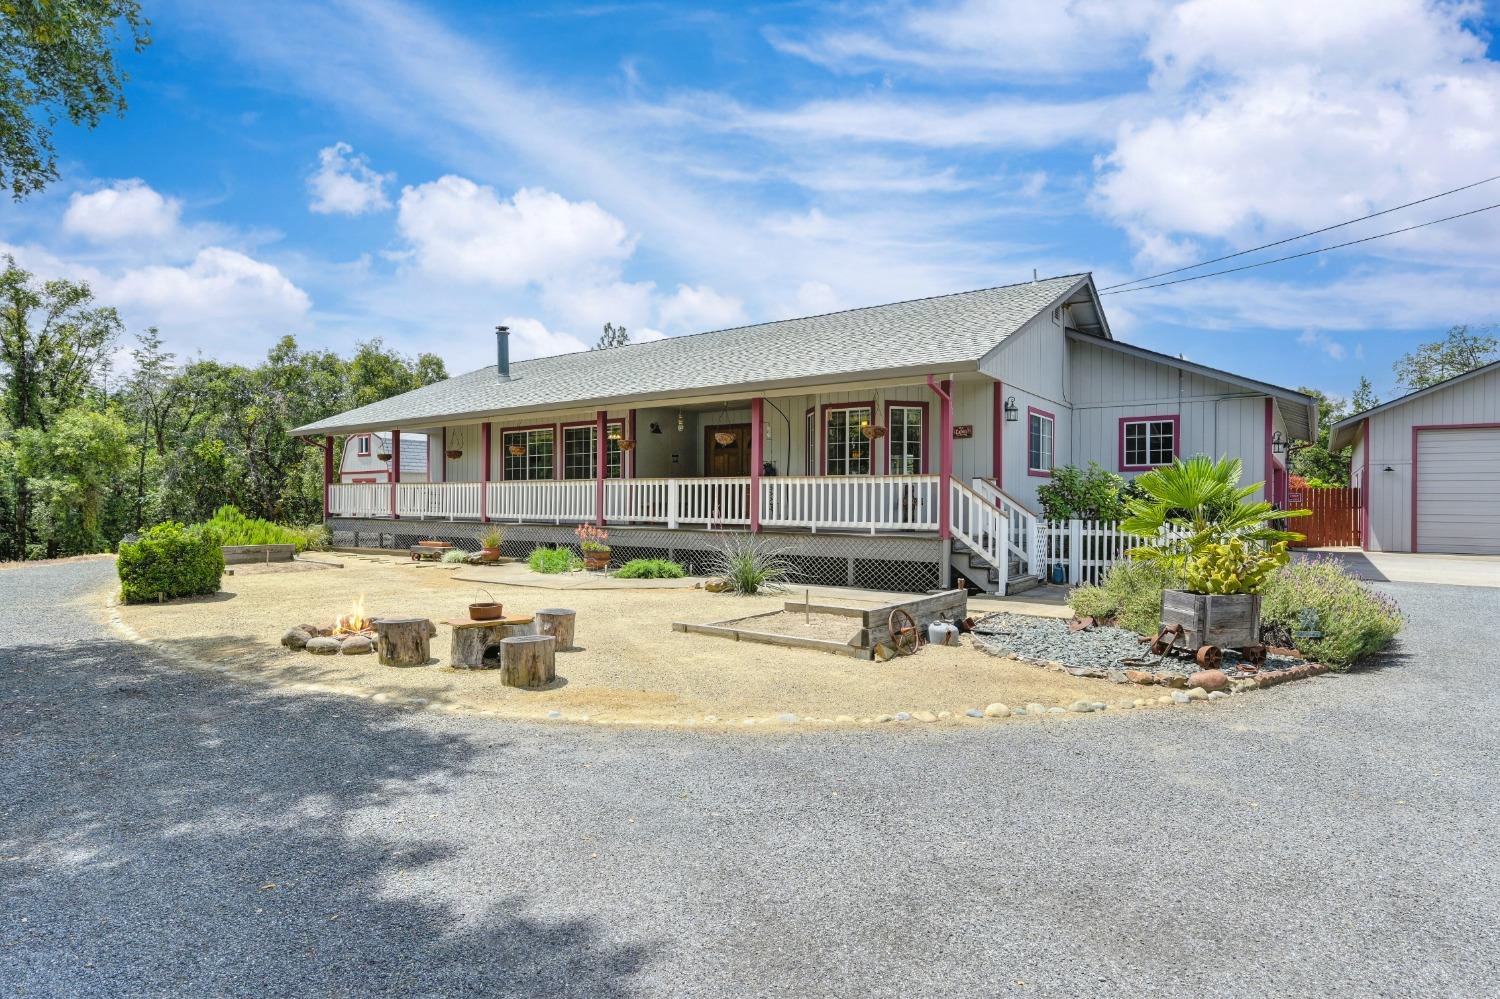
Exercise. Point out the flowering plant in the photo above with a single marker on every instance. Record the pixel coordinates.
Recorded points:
(591, 538)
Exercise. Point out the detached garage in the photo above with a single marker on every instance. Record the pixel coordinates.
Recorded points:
(1428, 467)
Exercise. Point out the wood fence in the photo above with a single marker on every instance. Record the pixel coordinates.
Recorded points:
(1334, 520)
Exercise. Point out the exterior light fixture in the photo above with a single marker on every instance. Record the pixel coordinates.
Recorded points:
(1012, 411)
(680, 425)
(656, 429)
(1278, 443)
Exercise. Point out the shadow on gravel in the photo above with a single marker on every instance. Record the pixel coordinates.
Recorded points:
(166, 833)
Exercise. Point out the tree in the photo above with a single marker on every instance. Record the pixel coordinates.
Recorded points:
(1364, 397)
(70, 468)
(376, 373)
(613, 336)
(58, 60)
(1316, 461)
(1459, 351)
(54, 347)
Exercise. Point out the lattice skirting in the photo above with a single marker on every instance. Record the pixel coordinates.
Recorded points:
(877, 562)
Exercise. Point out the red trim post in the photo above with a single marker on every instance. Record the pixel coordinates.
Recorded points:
(327, 476)
(601, 462)
(1267, 488)
(484, 473)
(395, 470)
(757, 455)
(999, 435)
(1125, 421)
(1041, 473)
(628, 458)
(945, 452)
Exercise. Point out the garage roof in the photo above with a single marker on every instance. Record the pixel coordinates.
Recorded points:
(1347, 429)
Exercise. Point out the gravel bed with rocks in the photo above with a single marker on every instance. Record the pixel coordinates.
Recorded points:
(1099, 649)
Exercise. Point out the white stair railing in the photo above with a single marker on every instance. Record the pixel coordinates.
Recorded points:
(1022, 527)
(981, 526)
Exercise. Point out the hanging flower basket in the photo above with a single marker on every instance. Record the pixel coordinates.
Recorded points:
(383, 455)
(856, 454)
(724, 437)
(872, 433)
(627, 445)
(453, 454)
(518, 450)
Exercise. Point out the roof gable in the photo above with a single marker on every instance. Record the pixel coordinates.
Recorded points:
(1343, 431)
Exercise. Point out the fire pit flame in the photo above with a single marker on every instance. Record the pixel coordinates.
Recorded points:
(354, 622)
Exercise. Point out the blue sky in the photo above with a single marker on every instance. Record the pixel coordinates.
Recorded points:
(421, 172)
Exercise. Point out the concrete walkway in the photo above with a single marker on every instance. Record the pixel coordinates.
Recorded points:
(1408, 567)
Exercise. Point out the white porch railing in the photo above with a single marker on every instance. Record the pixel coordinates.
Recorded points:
(568, 502)
(360, 499)
(887, 503)
(438, 500)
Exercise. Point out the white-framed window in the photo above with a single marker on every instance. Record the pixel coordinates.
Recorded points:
(579, 452)
(535, 458)
(811, 431)
(1041, 437)
(848, 451)
(362, 445)
(905, 434)
(1147, 442)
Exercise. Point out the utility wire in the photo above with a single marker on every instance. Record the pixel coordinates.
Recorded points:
(1305, 253)
(1293, 239)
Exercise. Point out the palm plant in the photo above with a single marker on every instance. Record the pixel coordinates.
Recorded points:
(1191, 505)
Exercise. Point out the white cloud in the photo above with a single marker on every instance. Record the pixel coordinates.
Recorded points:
(588, 306)
(530, 337)
(694, 308)
(125, 211)
(217, 284)
(1315, 340)
(344, 183)
(466, 231)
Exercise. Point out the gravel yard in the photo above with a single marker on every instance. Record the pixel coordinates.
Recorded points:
(631, 666)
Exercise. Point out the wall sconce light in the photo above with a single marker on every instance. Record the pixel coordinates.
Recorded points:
(1278, 443)
(1388, 468)
(656, 429)
(1012, 411)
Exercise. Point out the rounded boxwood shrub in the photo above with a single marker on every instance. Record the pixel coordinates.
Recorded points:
(169, 561)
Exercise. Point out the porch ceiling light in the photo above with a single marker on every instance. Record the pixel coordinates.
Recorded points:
(680, 425)
(1012, 411)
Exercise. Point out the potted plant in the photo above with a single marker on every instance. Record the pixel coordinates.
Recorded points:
(594, 541)
(1219, 544)
(489, 545)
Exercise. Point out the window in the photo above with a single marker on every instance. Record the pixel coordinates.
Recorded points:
(905, 434)
(362, 445)
(579, 452)
(848, 451)
(1147, 442)
(535, 458)
(1040, 439)
(812, 443)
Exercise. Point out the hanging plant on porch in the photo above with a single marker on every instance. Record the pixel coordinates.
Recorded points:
(724, 437)
(627, 445)
(872, 431)
(454, 453)
(383, 455)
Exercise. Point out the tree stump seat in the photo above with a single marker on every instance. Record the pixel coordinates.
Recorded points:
(404, 641)
(528, 661)
(559, 623)
(476, 644)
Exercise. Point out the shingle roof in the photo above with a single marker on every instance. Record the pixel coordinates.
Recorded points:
(936, 333)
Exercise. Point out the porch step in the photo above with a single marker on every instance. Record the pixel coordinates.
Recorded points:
(1020, 584)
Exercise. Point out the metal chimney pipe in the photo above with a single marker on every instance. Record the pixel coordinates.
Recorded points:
(502, 352)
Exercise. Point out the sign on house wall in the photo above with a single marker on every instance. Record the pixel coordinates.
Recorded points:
(963, 431)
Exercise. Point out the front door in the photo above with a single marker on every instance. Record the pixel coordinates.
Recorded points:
(727, 459)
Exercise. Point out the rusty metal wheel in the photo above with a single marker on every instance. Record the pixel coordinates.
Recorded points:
(903, 630)
(1255, 655)
(1209, 656)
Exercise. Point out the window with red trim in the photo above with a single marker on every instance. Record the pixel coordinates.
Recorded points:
(905, 434)
(1041, 440)
(362, 445)
(1147, 443)
(848, 449)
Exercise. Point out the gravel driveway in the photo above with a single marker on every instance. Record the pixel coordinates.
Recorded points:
(167, 833)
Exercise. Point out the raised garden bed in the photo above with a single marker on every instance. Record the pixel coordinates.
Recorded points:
(245, 554)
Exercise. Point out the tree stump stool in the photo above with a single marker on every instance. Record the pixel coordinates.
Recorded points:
(404, 641)
(476, 644)
(557, 622)
(528, 660)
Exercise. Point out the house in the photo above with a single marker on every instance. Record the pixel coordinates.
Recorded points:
(367, 458)
(885, 447)
(1428, 467)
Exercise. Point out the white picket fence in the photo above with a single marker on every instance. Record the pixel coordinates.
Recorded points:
(1086, 548)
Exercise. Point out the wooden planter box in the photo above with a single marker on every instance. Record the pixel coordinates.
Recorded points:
(1229, 621)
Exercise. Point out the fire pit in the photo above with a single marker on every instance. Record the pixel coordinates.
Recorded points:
(351, 634)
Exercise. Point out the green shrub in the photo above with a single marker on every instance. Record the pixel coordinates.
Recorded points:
(1130, 594)
(749, 564)
(554, 560)
(492, 539)
(1085, 494)
(1354, 619)
(650, 568)
(169, 561)
(455, 556)
(231, 527)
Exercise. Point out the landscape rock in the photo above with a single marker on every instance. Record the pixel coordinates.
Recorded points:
(324, 646)
(1198, 694)
(356, 645)
(1209, 679)
(1117, 676)
(1140, 676)
(296, 638)
(1034, 708)
(996, 710)
(1180, 698)
(1174, 680)
(974, 713)
(1081, 624)
(1082, 707)
(1092, 672)
(1217, 695)
(924, 716)
(1057, 711)
(716, 586)
(903, 716)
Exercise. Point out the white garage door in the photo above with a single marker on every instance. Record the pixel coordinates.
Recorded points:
(1458, 491)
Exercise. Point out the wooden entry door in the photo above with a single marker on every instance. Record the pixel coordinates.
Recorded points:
(727, 459)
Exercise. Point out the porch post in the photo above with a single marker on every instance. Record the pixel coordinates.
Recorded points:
(945, 452)
(395, 470)
(484, 474)
(601, 462)
(629, 457)
(327, 476)
(999, 433)
(757, 447)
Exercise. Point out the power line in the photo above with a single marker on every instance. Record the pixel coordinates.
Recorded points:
(1305, 253)
(1293, 239)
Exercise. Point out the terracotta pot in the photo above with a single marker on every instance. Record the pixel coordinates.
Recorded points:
(489, 554)
(596, 560)
(486, 611)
